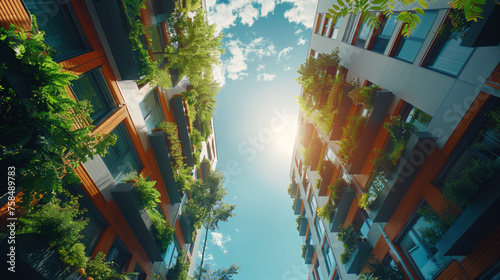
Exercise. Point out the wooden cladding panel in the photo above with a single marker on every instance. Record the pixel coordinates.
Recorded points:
(113, 85)
(13, 11)
(90, 188)
(112, 121)
(353, 212)
(105, 242)
(178, 234)
(495, 75)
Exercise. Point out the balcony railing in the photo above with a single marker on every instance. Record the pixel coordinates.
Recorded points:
(177, 105)
(337, 217)
(358, 257)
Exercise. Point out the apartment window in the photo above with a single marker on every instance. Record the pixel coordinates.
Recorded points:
(384, 33)
(336, 276)
(329, 260)
(349, 28)
(320, 229)
(418, 118)
(324, 29)
(118, 254)
(318, 23)
(334, 28)
(421, 254)
(151, 110)
(313, 204)
(122, 157)
(172, 253)
(316, 271)
(447, 55)
(141, 275)
(330, 155)
(63, 32)
(92, 87)
(362, 36)
(409, 47)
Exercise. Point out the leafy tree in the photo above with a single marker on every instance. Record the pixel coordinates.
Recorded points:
(220, 274)
(46, 133)
(206, 206)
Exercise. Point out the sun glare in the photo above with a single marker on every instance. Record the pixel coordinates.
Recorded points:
(285, 139)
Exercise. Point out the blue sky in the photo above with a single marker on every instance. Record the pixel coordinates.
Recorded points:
(255, 125)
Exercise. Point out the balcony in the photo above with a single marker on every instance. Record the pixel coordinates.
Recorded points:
(418, 148)
(337, 217)
(297, 206)
(358, 257)
(484, 32)
(129, 203)
(177, 105)
(308, 253)
(302, 225)
(293, 190)
(475, 222)
(116, 27)
(327, 169)
(343, 108)
(186, 223)
(159, 143)
(161, 9)
(373, 124)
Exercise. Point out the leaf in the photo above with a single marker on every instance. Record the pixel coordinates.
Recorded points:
(415, 18)
(377, 2)
(419, 11)
(376, 8)
(401, 16)
(391, 7)
(341, 3)
(477, 9)
(423, 4)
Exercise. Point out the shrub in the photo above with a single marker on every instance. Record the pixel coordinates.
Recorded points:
(400, 130)
(366, 201)
(304, 251)
(180, 269)
(348, 236)
(163, 231)
(350, 135)
(150, 196)
(74, 255)
(338, 188)
(196, 138)
(325, 211)
(318, 183)
(98, 268)
(298, 221)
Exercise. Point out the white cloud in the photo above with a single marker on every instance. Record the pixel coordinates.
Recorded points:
(236, 64)
(237, 230)
(287, 68)
(260, 67)
(219, 240)
(301, 41)
(241, 53)
(298, 31)
(209, 257)
(248, 11)
(267, 6)
(229, 35)
(303, 12)
(249, 14)
(265, 77)
(284, 52)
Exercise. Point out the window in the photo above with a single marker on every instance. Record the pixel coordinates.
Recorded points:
(384, 33)
(421, 254)
(349, 28)
(92, 87)
(325, 26)
(318, 23)
(141, 275)
(62, 30)
(335, 24)
(329, 260)
(447, 55)
(122, 157)
(151, 110)
(330, 155)
(362, 36)
(409, 47)
(172, 253)
(118, 254)
(313, 204)
(336, 276)
(316, 271)
(320, 228)
(419, 118)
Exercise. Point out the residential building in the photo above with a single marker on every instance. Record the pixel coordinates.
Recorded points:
(91, 39)
(408, 198)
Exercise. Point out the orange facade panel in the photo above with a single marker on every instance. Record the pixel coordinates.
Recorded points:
(13, 11)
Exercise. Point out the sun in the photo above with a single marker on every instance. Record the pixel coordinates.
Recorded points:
(284, 140)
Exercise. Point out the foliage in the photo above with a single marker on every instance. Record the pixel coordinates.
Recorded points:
(338, 188)
(350, 135)
(163, 231)
(323, 117)
(99, 269)
(318, 183)
(219, 274)
(294, 204)
(364, 95)
(196, 138)
(304, 251)
(298, 220)
(377, 271)
(202, 97)
(366, 201)
(188, 5)
(348, 235)
(325, 211)
(150, 196)
(46, 133)
(437, 225)
(180, 269)
(289, 189)
(463, 190)
(399, 129)
(73, 255)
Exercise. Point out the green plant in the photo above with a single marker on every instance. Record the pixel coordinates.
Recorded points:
(196, 138)
(348, 235)
(150, 196)
(73, 255)
(318, 183)
(46, 132)
(399, 129)
(350, 135)
(163, 231)
(338, 188)
(325, 211)
(364, 95)
(463, 190)
(298, 221)
(437, 225)
(294, 204)
(99, 269)
(366, 201)
(377, 271)
(304, 250)
(180, 269)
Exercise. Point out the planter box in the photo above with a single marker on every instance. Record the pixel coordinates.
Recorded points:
(177, 106)
(35, 260)
(126, 197)
(293, 190)
(419, 147)
(358, 257)
(326, 176)
(317, 147)
(484, 32)
(298, 206)
(159, 143)
(308, 133)
(185, 221)
(303, 227)
(338, 216)
(374, 122)
(309, 254)
(116, 28)
(342, 111)
(475, 222)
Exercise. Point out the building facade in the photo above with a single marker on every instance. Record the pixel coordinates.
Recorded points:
(390, 168)
(92, 41)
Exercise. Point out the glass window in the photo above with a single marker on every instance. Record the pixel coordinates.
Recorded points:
(118, 254)
(172, 253)
(92, 87)
(349, 28)
(419, 118)
(423, 255)
(317, 270)
(325, 26)
(334, 29)
(384, 33)
(318, 23)
(362, 36)
(313, 204)
(122, 157)
(409, 47)
(448, 56)
(320, 228)
(330, 155)
(151, 110)
(60, 24)
(329, 260)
